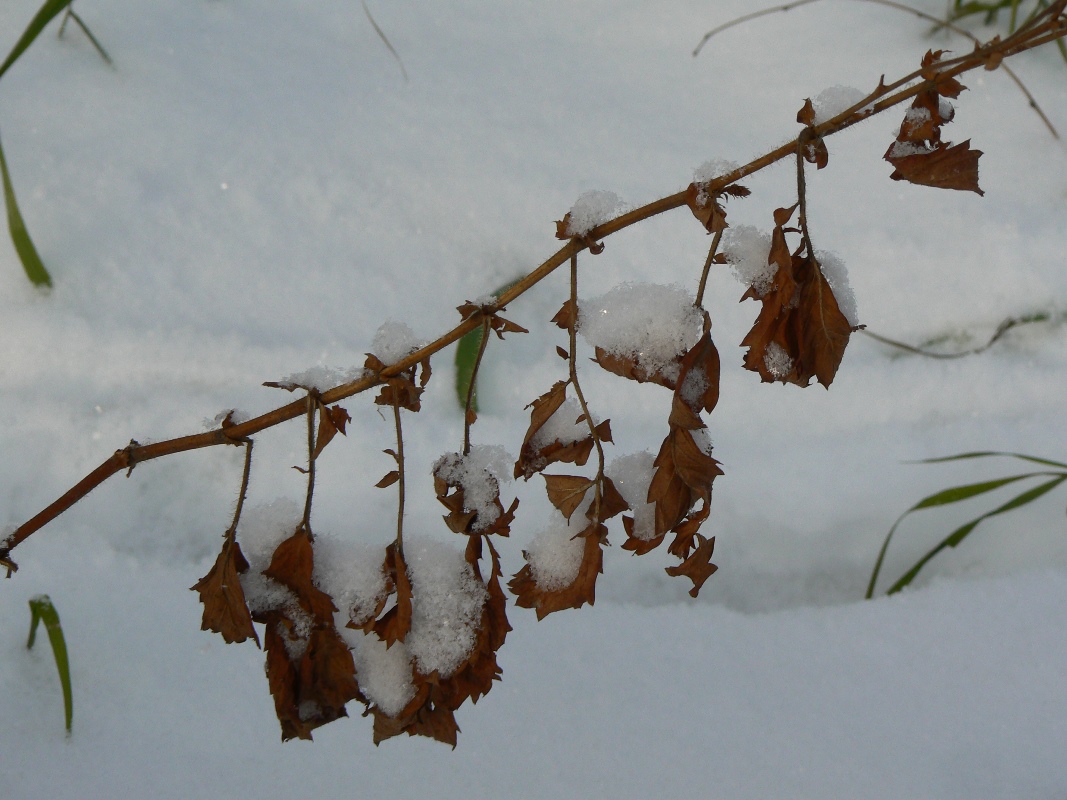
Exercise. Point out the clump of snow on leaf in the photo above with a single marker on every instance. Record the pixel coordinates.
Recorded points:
(479, 473)
(562, 426)
(447, 605)
(746, 249)
(777, 360)
(555, 554)
(652, 323)
(393, 341)
(631, 476)
(262, 529)
(833, 101)
(833, 269)
(351, 573)
(384, 673)
(592, 209)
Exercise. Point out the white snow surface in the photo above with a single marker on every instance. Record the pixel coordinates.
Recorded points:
(480, 473)
(747, 249)
(555, 553)
(632, 475)
(254, 188)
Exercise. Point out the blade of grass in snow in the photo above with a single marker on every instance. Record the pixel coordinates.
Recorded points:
(85, 29)
(37, 24)
(42, 610)
(20, 237)
(963, 531)
(988, 453)
(943, 498)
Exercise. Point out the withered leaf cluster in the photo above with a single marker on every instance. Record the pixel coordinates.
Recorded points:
(800, 332)
(918, 153)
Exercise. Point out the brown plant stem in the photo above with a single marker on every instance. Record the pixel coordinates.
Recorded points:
(707, 268)
(400, 480)
(231, 532)
(311, 406)
(572, 365)
(1050, 26)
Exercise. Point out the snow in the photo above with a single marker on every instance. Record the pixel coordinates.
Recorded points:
(555, 553)
(353, 197)
(563, 426)
(747, 250)
(713, 168)
(480, 474)
(632, 475)
(650, 322)
(447, 605)
(394, 340)
(593, 208)
(835, 100)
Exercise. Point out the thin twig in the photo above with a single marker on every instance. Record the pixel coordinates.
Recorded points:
(707, 268)
(1004, 327)
(385, 40)
(940, 23)
(400, 480)
(85, 29)
(311, 406)
(882, 98)
(231, 532)
(572, 364)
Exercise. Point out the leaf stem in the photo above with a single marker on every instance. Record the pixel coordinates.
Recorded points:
(707, 268)
(310, 401)
(400, 480)
(572, 364)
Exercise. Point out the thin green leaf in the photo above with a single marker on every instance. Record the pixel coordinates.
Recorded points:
(467, 357)
(42, 610)
(20, 237)
(943, 498)
(963, 531)
(988, 453)
(37, 24)
(85, 29)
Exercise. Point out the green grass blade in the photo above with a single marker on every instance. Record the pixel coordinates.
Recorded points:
(37, 24)
(963, 531)
(942, 498)
(20, 237)
(466, 357)
(988, 453)
(42, 610)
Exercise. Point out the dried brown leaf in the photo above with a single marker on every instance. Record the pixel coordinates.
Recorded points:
(566, 492)
(698, 567)
(582, 590)
(225, 609)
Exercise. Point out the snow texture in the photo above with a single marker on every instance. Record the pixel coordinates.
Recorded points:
(594, 208)
(777, 360)
(393, 341)
(563, 426)
(351, 573)
(632, 475)
(447, 605)
(834, 100)
(384, 673)
(833, 269)
(650, 322)
(747, 250)
(480, 474)
(712, 169)
(555, 554)
(321, 378)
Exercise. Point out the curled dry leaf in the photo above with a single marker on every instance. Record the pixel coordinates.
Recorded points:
(394, 625)
(309, 667)
(403, 390)
(800, 332)
(460, 520)
(580, 591)
(563, 227)
(225, 609)
(708, 208)
(497, 323)
(534, 456)
(332, 420)
(697, 567)
(918, 154)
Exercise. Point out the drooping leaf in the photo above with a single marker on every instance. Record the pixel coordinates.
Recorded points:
(566, 492)
(43, 16)
(225, 609)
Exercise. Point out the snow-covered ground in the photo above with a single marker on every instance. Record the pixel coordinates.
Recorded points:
(254, 189)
